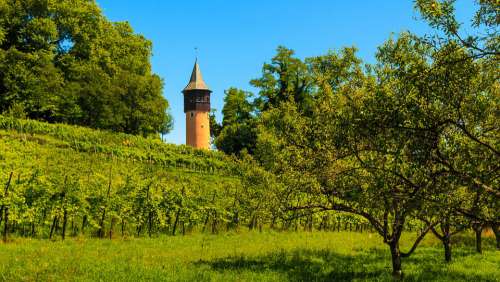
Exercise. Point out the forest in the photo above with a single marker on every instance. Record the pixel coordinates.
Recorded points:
(402, 154)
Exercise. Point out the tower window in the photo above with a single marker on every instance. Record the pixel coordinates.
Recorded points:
(192, 114)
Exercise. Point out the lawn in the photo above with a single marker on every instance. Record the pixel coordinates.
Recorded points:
(244, 256)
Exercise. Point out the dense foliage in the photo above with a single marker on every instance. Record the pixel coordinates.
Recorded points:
(238, 130)
(63, 61)
(414, 137)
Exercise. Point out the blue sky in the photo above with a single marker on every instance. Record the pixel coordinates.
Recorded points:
(235, 37)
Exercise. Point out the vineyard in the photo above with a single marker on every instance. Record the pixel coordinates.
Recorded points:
(62, 180)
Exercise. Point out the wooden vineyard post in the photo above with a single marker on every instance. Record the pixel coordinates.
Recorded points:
(5, 208)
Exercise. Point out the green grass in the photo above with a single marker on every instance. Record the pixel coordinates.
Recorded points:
(246, 256)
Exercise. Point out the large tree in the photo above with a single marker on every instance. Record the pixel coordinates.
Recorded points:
(285, 78)
(473, 104)
(63, 61)
(343, 155)
(238, 130)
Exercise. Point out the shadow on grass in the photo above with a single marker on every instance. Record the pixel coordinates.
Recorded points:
(371, 265)
(303, 265)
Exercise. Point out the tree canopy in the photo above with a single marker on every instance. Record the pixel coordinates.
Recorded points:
(414, 136)
(238, 129)
(63, 61)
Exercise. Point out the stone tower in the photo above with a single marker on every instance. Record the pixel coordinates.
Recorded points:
(197, 109)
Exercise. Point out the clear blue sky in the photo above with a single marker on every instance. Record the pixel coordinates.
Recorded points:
(236, 37)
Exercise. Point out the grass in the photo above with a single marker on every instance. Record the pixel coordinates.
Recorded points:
(245, 256)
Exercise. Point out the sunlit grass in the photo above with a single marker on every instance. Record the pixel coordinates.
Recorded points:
(244, 256)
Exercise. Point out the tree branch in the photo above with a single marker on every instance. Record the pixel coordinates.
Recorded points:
(418, 240)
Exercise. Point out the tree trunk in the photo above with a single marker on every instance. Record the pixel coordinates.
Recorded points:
(53, 226)
(496, 230)
(65, 221)
(446, 240)
(273, 222)
(206, 223)
(139, 229)
(111, 226)
(397, 272)
(84, 222)
(252, 223)
(176, 221)
(478, 229)
(150, 223)
(57, 225)
(100, 232)
(447, 249)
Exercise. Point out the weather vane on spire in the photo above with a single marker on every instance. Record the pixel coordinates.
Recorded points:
(196, 52)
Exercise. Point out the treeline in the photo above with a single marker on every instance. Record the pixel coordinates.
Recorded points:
(413, 137)
(63, 61)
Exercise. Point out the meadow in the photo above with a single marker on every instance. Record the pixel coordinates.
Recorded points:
(241, 256)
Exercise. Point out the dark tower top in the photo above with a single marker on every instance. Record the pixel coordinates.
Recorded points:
(196, 93)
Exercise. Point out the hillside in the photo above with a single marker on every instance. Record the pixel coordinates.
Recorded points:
(66, 180)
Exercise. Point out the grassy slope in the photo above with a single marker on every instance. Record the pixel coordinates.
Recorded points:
(245, 256)
(90, 158)
(120, 146)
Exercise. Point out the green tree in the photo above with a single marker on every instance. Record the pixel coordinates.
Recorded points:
(415, 130)
(238, 130)
(285, 78)
(63, 61)
(473, 104)
(215, 127)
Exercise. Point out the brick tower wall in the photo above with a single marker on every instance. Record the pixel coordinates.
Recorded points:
(198, 129)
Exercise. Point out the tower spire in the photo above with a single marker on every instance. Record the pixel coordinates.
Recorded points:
(196, 81)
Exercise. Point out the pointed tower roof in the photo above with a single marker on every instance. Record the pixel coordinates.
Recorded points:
(196, 82)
